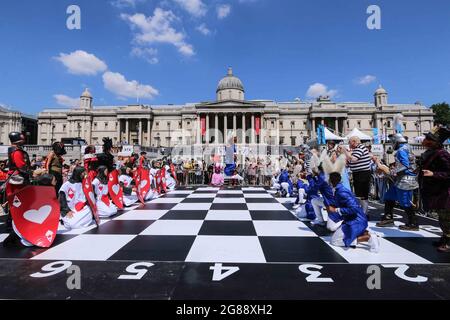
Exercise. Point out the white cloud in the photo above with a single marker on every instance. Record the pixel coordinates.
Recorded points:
(203, 29)
(122, 88)
(66, 101)
(148, 54)
(158, 29)
(367, 79)
(82, 63)
(223, 11)
(195, 7)
(125, 3)
(318, 89)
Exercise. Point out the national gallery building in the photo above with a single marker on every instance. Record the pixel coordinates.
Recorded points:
(253, 122)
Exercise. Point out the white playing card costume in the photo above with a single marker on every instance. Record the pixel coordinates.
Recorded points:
(128, 200)
(76, 201)
(105, 207)
(170, 182)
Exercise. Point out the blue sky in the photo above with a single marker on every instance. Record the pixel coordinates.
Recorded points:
(176, 51)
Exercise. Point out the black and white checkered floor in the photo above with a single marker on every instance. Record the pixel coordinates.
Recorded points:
(225, 243)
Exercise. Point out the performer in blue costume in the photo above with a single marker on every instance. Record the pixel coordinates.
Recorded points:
(326, 200)
(402, 190)
(349, 217)
(230, 160)
(311, 192)
(286, 184)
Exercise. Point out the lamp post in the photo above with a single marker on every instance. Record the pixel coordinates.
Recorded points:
(53, 129)
(168, 124)
(79, 130)
(292, 137)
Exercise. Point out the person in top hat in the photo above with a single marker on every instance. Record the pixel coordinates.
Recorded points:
(435, 181)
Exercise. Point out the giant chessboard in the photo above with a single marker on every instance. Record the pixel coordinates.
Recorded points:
(225, 243)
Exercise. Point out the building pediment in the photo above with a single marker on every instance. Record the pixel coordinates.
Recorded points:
(230, 104)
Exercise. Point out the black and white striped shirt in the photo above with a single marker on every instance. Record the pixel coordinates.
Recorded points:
(363, 159)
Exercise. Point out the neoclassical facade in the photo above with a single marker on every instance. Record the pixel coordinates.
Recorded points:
(11, 120)
(253, 122)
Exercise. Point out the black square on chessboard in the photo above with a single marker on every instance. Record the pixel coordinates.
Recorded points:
(261, 200)
(121, 227)
(229, 206)
(272, 215)
(21, 252)
(185, 215)
(229, 195)
(422, 247)
(298, 249)
(157, 206)
(155, 248)
(227, 228)
(198, 200)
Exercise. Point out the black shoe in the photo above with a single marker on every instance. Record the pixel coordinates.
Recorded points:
(386, 223)
(409, 227)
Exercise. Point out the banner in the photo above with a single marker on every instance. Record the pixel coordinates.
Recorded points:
(257, 125)
(203, 126)
(376, 136)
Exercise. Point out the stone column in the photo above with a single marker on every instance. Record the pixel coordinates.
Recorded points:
(313, 125)
(225, 129)
(216, 129)
(127, 131)
(207, 128)
(243, 128)
(252, 136)
(149, 131)
(336, 125)
(140, 133)
(234, 125)
(199, 129)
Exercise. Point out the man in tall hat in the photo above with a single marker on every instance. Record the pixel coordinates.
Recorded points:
(435, 181)
(106, 158)
(402, 190)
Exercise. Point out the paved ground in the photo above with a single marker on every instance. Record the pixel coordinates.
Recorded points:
(237, 243)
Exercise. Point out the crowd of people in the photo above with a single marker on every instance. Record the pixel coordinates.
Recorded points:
(331, 187)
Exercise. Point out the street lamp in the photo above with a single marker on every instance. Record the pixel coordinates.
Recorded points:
(292, 137)
(168, 124)
(53, 129)
(79, 130)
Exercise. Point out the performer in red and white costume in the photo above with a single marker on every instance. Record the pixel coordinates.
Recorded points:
(105, 206)
(90, 162)
(127, 183)
(75, 211)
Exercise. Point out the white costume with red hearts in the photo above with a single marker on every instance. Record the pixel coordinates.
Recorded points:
(171, 183)
(105, 207)
(76, 201)
(153, 173)
(128, 200)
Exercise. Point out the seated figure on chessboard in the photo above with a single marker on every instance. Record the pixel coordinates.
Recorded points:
(105, 206)
(217, 178)
(128, 185)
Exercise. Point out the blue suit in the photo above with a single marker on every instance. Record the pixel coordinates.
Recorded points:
(354, 219)
(311, 192)
(404, 197)
(284, 177)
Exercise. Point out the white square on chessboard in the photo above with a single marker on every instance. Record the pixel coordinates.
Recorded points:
(265, 206)
(282, 229)
(173, 228)
(228, 215)
(87, 248)
(63, 230)
(253, 189)
(3, 236)
(389, 253)
(286, 200)
(228, 249)
(192, 206)
(142, 215)
(202, 195)
(258, 195)
(181, 192)
(230, 192)
(208, 189)
(229, 200)
(394, 232)
(167, 200)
